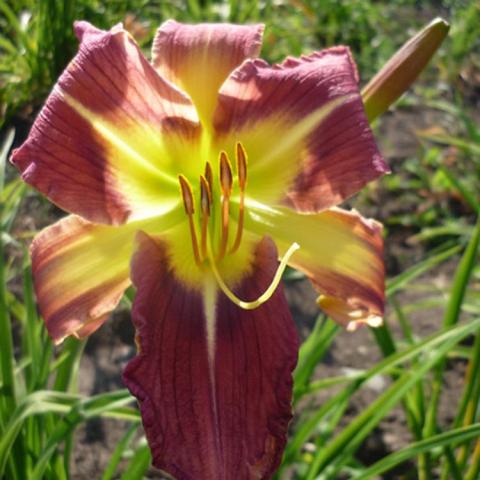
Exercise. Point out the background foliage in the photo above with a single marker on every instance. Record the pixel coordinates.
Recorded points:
(429, 205)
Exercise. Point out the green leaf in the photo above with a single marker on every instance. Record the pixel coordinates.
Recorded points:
(400, 281)
(119, 451)
(452, 438)
(311, 352)
(343, 446)
(139, 464)
(107, 404)
(4, 149)
(458, 185)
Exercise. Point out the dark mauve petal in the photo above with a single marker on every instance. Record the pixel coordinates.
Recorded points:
(224, 420)
(304, 127)
(97, 148)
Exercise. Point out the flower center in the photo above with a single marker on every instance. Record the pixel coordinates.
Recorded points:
(207, 204)
(205, 255)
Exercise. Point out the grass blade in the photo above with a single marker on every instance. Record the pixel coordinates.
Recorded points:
(118, 452)
(311, 352)
(468, 196)
(451, 438)
(139, 464)
(401, 280)
(338, 451)
(452, 314)
(4, 149)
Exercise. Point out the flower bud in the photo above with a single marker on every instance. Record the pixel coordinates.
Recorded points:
(403, 68)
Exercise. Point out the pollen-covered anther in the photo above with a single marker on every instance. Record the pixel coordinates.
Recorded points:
(205, 196)
(187, 195)
(241, 157)
(226, 183)
(226, 176)
(189, 204)
(205, 202)
(209, 175)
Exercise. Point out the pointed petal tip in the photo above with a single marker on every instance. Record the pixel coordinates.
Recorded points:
(440, 23)
(373, 321)
(13, 159)
(84, 30)
(350, 313)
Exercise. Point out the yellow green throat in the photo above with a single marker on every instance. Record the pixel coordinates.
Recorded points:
(214, 244)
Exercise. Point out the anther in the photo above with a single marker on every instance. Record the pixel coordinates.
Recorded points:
(187, 195)
(205, 196)
(226, 182)
(205, 202)
(209, 175)
(226, 178)
(189, 204)
(241, 157)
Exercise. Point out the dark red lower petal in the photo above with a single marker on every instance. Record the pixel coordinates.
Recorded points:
(235, 426)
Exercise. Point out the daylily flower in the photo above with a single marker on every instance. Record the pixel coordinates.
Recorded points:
(218, 164)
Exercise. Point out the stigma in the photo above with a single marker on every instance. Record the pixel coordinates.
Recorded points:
(216, 241)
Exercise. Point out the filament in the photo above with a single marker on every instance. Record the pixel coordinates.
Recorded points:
(189, 204)
(193, 234)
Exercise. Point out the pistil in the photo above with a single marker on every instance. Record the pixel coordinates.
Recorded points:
(266, 294)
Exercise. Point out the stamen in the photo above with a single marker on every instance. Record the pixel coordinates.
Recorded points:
(268, 292)
(241, 156)
(205, 201)
(226, 182)
(189, 204)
